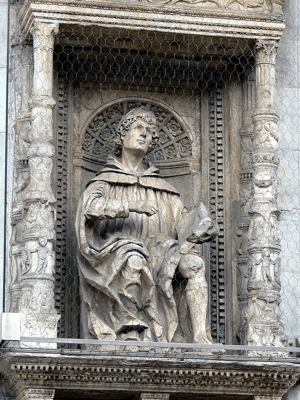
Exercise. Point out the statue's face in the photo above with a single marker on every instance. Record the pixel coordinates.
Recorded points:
(138, 137)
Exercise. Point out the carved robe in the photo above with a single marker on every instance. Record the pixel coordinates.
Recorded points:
(127, 261)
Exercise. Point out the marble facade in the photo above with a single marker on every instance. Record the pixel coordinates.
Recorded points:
(38, 233)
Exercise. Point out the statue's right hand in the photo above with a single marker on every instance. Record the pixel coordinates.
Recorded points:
(143, 207)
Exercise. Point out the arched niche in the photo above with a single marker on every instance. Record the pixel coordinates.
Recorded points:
(172, 154)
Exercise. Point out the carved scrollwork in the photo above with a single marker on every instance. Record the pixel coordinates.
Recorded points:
(266, 51)
(44, 35)
(266, 136)
(227, 4)
(264, 272)
(174, 141)
(269, 158)
(39, 222)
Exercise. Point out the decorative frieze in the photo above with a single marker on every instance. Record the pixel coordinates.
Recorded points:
(154, 396)
(36, 394)
(187, 14)
(272, 6)
(267, 397)
(147, 375)
(263, 316)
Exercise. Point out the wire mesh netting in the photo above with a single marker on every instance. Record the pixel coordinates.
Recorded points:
(152, 179)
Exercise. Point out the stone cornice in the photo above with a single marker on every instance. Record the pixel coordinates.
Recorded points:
(133, 15)
(143, 375)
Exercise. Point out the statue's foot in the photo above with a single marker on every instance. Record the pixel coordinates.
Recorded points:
(203, 339)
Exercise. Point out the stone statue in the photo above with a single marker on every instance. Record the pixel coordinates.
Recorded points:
(141, 275)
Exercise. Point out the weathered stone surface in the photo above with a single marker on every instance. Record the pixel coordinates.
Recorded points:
(141, 255)
(36, 394)
(146, 375)
(154, 396)
(33, 253)
(263, 316)
(31, 277)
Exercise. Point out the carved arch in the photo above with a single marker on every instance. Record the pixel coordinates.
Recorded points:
(98, 134)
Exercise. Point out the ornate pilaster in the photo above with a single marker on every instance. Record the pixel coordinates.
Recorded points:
(38, 314)
(246, 133)
(263, 315)
(23, 66)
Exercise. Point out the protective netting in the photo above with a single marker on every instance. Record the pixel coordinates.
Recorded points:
(194, 96)
(178, 78)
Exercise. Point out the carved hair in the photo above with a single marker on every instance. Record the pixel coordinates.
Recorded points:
(127, 120)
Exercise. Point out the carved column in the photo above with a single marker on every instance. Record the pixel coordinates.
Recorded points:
(36, 394)
(38, 315)
(246, 133)
(264, 325)
(23, 80)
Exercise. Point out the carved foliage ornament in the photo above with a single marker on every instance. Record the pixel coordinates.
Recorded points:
(87, 375)
(266, 51)
(44, 32)
(236, 4)
(100, 135)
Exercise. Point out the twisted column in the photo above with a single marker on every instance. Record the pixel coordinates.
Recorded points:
(263, 317)
(38, 315)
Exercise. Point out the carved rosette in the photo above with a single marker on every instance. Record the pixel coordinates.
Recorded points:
(36, 258)
(263, 317)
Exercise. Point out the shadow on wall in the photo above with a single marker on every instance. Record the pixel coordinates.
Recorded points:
(294, 393)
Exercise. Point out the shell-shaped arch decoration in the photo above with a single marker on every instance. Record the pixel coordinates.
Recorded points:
(100, 131)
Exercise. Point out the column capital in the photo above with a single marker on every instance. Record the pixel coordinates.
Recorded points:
(44, 28)
(266, 51)
(43, 34)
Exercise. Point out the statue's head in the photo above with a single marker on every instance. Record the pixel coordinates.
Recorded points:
(137, 129)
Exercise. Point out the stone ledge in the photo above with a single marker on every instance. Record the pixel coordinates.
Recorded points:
(136, 375)
(165, 18)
